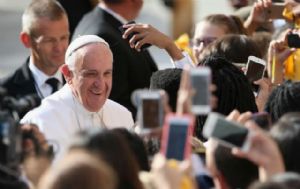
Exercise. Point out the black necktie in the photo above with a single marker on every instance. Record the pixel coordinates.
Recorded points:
(53, 82)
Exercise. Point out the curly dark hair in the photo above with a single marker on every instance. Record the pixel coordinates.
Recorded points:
(285, 98)
(168, 80)
(233, 88)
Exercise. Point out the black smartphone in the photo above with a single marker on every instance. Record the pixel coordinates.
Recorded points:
(200, 81)
(293, 40)
(143, 47)
(255, 69)
(229, 133)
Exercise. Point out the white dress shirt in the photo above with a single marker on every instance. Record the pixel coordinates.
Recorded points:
(114, 14)
(40, 78)
(60, 116)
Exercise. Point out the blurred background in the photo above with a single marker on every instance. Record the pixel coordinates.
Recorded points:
(154, 12)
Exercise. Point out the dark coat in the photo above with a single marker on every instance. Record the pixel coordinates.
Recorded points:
(20, 83)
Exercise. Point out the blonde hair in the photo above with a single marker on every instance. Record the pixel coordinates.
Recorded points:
(38, 9)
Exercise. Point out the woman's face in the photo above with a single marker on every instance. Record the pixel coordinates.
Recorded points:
(205, 33)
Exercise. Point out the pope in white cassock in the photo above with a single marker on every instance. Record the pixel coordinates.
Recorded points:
(83, 101)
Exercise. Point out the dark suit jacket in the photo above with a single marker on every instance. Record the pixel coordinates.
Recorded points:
(20, 83)
(75, 11)
(131, 69)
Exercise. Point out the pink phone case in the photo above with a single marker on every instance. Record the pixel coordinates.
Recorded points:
(189, 120)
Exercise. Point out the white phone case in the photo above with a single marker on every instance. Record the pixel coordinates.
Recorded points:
(211, 125)
(200, 109)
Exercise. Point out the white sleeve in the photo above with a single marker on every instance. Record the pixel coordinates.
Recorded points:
(186, 60)
(27, 119)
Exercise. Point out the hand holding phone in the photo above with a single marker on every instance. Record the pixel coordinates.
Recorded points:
(275, 11)
(201, 80)
(229, 133)
(122, 29)
(255, 70)
(176, 137)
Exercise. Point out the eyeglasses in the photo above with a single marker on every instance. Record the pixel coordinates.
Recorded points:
(205, 41)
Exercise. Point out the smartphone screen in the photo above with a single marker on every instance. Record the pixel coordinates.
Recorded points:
(255, 71)
(175, 141)
(151, 111)
(177, 137)
(200, 80)
(293, 40)
(229, 133)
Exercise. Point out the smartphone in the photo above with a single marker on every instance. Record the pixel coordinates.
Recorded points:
(143, 47)
(150, 109)
(293, 40)
(200, 80)
(262, 119)
(176, 136)
(255, 69)
(275, 11)
(229, 133)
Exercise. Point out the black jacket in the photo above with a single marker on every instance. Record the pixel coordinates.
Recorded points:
(20, 83)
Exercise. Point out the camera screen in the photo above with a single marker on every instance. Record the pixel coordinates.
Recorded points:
(293, 40)
(178, 132)
(230, 133)
(11, 139)
(151, 110)
(255, 71)
(200, 84)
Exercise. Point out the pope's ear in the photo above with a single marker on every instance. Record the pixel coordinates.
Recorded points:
(65, 70)
(67, 73)
(25, 39)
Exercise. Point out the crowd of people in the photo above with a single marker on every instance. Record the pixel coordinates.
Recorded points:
(88, 130)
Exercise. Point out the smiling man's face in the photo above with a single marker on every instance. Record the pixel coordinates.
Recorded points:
(91, 81)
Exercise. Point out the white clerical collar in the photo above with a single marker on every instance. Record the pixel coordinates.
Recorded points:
(40, 77)
(114, 14)
(81, 108)
(86, 118)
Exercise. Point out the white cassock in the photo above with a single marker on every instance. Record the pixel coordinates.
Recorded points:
(60, 116)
